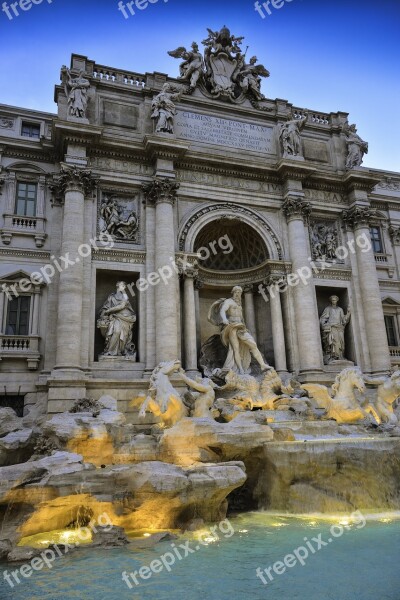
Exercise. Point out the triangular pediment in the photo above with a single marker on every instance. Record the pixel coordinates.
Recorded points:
(390, 301)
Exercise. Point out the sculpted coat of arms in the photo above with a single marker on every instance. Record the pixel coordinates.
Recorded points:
(223, 71)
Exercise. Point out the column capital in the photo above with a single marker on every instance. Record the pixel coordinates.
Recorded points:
(295, 207)
(248, 288)
(274, 279)
(198, 284)
(189, 272)
(73, 179)
(394, 233)
(358, 216)
(161, 190)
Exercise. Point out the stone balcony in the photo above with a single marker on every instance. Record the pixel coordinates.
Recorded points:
(27, 226)
(25, 347)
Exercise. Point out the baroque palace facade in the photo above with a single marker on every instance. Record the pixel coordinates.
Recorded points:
(184, 188)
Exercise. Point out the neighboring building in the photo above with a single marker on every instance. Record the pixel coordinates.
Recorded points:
(230, 185)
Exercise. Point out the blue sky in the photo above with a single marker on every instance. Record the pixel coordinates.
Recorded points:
(325, 55)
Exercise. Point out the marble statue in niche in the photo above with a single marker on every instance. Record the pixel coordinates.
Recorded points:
(333, 322)
(228, 314)
(164, 109)
(356, 147)
(289, 135)
(118, 219)
(116, 321)
(76, 90)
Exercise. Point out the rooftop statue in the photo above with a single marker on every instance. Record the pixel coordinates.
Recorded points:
(192, 67)
(223, 72)
(164, 109)
(289, 134)
(76, 90)
(356, 147)
(249, 78)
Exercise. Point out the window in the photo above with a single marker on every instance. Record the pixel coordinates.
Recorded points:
(376, 240)
(18, 316)
(391, 331)
(31, 130)
(26, 199)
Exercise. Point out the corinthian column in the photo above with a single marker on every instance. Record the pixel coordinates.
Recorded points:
(358, 219)
(162, 193)
(278, 333)
(74, 184)
(249, 310)
(306, 313)
(189, 319)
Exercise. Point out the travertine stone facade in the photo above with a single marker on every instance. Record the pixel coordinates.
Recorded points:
(220, 185)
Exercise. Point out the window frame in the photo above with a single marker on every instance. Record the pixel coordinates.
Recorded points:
(395, 330)
(26, 200)
(31, 125)
(378, 239)
(19, 311)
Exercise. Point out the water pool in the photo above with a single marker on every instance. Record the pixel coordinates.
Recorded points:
(362, 563)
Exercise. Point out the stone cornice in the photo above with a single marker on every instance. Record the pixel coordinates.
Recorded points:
(75, 132)
(164, 146)
(331, 273)
(360, 179)
(119, 255)
(251, 276)
(294, 169)
(40, 255)
(161, 189)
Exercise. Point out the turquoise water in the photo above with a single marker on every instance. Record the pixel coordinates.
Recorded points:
(362, 563)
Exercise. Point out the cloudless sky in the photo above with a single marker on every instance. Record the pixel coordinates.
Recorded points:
(325, 55)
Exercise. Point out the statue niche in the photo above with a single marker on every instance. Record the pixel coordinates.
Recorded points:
(333, 322)
(116, 321)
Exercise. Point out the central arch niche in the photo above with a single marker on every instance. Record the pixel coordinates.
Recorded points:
(231, 245)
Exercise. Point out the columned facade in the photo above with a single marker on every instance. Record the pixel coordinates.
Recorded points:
(162, 192)
(306, 314)
(198, 193)
(74, 183)
(358, 218)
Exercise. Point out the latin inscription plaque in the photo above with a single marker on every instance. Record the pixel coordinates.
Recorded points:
(224, 132)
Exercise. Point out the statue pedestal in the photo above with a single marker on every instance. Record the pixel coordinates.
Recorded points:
(336, 366)
(113, 361)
